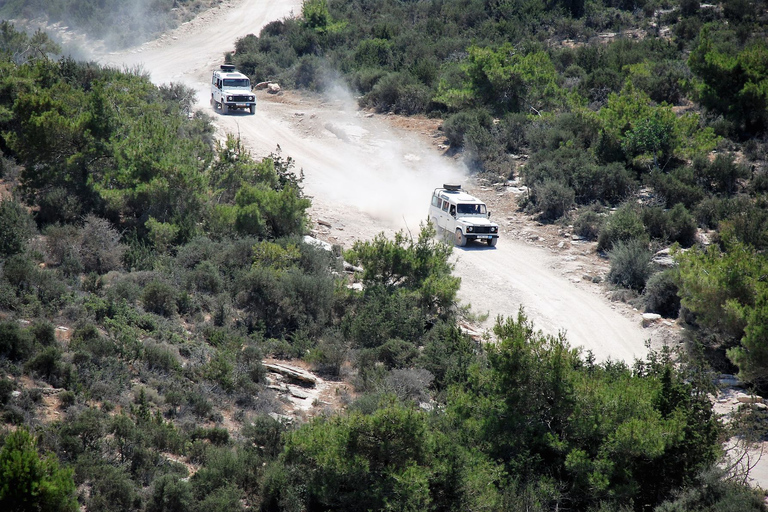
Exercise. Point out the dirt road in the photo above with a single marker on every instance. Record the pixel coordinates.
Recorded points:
(366, 177)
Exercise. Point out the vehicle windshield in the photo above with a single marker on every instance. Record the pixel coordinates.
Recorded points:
(471, 209)
(237, 82)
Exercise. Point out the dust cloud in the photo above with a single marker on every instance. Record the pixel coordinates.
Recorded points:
(383, 172)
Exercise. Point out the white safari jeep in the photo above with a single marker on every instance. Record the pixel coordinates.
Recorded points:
(466, 217)
(231, 90)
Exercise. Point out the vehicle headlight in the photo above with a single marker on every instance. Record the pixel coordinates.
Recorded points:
(494, 229)
(229, 98)
(250, 98)
(470, 228)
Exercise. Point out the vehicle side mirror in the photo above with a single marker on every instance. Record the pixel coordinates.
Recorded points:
(489, 215)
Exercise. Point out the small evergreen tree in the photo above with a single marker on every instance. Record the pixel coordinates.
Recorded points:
(31, 482)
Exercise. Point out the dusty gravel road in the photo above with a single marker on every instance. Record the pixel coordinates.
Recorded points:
(367, 177)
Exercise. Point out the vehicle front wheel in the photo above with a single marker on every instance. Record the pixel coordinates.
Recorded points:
(492, 241)
(253, 109)
(461, 240)
(224, 108)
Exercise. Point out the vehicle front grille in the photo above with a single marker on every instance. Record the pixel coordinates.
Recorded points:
(241, 99)
(482, 229)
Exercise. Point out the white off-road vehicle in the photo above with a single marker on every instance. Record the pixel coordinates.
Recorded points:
(231, 90)
(464, 216)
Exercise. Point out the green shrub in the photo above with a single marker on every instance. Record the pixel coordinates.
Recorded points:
(330, 354)
(16, 228)
(512, 131)
(67, 399)
(21, 273)
(224, 499)
(58, 205)
(265, 433)
(397, 353)
(399, 93)
(588, 224)
(6, 388)
(160, 297)
(553, 199)
(124, 290)
(112, 490)
(61, 242)
(660, 294)
(457, 125)
(205, 278)
(250, 363)
(308, 72)
(365, 79)
(722, 175)
(15, 343)
(675, 225)
(43, 332)
(100, 247)
(623, 225)
(682, 226)
(381, 316)
(630, 264)
(170, 494)
(218, 436)
(88, 338)
(200, 405)
(161, 357)
(678, 186)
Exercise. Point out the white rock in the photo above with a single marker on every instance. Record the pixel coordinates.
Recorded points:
(650, 318)
(317, 243)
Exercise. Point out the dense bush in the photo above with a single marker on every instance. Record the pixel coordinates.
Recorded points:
(670, 226)
(660, 294)
(15, 228)
(625, 224)
(15, 343)
(630, 264)
(458, 125)
(588, 224)
(553, 199)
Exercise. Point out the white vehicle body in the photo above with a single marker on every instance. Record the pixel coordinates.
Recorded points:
(464, 216)
(231, 90)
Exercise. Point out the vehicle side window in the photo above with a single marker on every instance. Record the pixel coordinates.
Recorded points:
(445, 206)
(435, 201)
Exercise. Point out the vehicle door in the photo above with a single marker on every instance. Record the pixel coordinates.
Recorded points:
(447, 221)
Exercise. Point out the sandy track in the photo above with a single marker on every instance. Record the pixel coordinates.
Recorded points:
(367, 178)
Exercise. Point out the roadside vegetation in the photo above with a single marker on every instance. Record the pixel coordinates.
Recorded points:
(147, 269)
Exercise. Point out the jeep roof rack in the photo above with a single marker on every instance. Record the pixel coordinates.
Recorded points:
(451, 187)
(227, 67)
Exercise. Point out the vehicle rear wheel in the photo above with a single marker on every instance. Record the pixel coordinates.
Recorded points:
(492, 241)
(461, 240)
